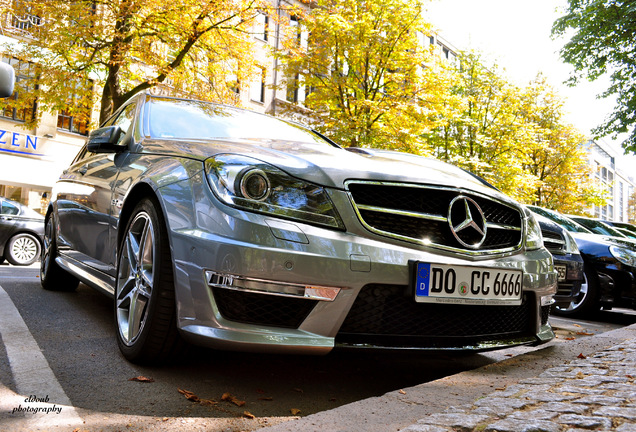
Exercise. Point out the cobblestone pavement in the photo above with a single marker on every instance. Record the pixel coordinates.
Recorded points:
(590, 393)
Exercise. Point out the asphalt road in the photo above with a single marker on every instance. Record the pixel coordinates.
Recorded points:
(75, 333)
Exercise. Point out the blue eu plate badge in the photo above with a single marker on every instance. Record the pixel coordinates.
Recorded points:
(423, 279)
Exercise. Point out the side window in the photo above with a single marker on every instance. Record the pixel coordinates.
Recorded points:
(9, 209)
(125, 119)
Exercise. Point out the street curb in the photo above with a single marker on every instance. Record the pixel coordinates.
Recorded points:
(399, 409)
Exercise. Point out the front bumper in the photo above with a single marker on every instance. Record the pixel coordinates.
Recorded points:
(289, 273)
(569, 287)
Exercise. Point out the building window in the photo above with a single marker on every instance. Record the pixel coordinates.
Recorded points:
(292, 88)
(621, 201)
(261, 26)
(257, 88)
(24, 19)
(21, 105)
(77, 117)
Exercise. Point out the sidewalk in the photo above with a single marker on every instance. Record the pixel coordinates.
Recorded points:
(575, 386)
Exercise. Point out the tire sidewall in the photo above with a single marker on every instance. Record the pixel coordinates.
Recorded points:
(46, 259)
(52, 276)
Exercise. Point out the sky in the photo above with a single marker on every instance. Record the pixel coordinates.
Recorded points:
(515, 35)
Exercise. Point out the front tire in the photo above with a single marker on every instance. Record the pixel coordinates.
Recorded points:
(52, 276)
(145, 306)
(22, 249)
(587, 302)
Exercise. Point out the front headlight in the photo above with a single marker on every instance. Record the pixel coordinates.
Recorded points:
(624, 255)
(570, 244)
(256, 186)
(534, 240)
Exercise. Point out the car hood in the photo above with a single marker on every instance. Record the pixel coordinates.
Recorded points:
(329, 166)
(600, 238)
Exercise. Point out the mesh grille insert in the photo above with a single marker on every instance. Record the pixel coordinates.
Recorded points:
(390, 312)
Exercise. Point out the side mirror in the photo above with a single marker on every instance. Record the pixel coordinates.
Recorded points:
(7, 80)
(104, 140)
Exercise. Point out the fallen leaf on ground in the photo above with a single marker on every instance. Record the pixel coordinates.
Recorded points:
(294, 411)
(570, 338)
(266, 398)
(581, 356)
(576, 325)
(584, 334)
(249, 415)
(227, 397)
(189, 395)
(402, 392)
(299, 390)
(141, 378)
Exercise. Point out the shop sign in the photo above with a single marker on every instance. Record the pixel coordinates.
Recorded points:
(21, 144)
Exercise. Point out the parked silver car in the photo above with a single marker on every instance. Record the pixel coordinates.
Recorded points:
(236, 230)
(21, 232)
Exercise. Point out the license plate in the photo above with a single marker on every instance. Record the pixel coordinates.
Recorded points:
(562, 270)
(440, 283)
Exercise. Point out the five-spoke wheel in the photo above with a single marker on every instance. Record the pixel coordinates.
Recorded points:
(145, 309)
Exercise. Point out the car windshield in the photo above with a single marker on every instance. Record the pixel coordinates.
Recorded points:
(598, 227)
(566, 223)
(627, 233)
(188, 119)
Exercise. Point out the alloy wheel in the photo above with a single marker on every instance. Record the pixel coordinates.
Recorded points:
(580, 299)
(24, 249)
(136, 278)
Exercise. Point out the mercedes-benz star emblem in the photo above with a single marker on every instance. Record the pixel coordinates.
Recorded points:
(467, 222)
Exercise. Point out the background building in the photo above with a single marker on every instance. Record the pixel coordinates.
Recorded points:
(618, 183)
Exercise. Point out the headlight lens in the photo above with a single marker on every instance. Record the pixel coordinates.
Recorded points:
(624, 255)
(533, 232)
(570, 244)
(253, 185)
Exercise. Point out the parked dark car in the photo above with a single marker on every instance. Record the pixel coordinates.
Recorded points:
(599, 227)
(237, 230)
(568, 261)
(21, 233)
(625, 228)
(609, 269)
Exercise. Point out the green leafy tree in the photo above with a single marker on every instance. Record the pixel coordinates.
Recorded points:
(553, 154)
(372, 78)
(602, 42)
(484, 132)
(515, 138)
(126, 46)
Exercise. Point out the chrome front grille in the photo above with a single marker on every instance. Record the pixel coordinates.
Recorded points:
(553, 241)
(420, 214)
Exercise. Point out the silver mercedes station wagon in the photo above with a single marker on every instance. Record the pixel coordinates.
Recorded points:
(235, 230)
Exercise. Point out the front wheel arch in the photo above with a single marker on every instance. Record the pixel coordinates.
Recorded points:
(588, 300)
